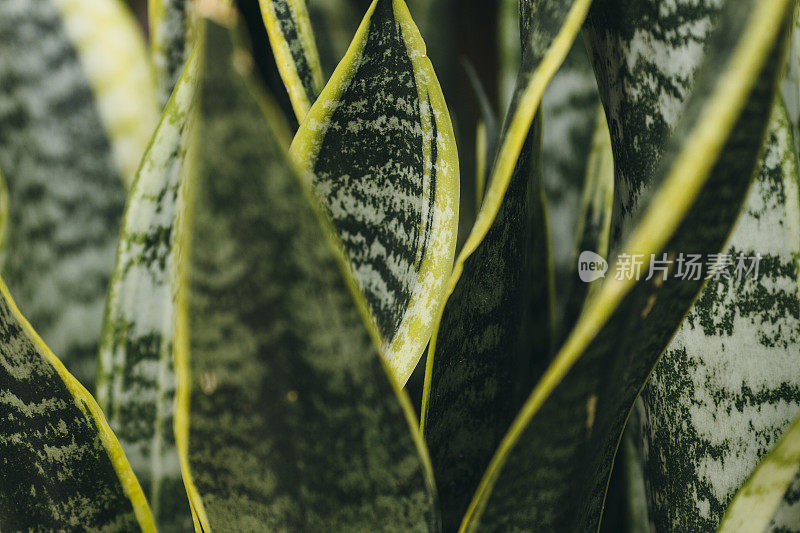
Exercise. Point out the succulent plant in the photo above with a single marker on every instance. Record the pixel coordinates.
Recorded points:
(349, 295)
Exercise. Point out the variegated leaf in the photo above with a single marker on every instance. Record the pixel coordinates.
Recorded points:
(75, 116)
(728, 385)
(295, 48)
(135, 379)
(570, 113)
(61, 468)
(170, 39)
(551, 469)
(593, 222)
(479, 364)
(287, 417)
(494, 333)
(379, 148)
(760, 505)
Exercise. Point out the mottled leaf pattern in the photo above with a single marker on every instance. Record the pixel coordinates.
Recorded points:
(570, 112)
(593, 222)
(169, 42)
(287, 417)
(295, 48)
(759, 505)
(61, 468)
(479, 359)
(135, 380)
(728, 385)
(72, 109)
(551, 470)
(493, 336)
(380, 150)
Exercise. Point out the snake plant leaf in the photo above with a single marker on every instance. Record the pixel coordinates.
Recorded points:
(75, 108)
(791, 82)
(170, 42)
(476, 367)
(287, 416)
(295, 48)
(759, 503)
(394, 203)
(62, 467)
(594, 219)
(570, 113)
(728, 384)
(472, 385)
(135, 379)
(552, 468)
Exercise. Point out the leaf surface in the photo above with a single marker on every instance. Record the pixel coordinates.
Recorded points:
(494, 332)
(75, 109)
(728, 385)
(379, 148)
(169, 42)
(62, 467)
(295, 48)
(552, 467)
(136, 382)
(287, 417)
(759, 502)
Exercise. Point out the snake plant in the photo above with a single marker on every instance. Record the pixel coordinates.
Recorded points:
(351, 282)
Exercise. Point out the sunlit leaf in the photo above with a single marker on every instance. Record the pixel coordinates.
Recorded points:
(287, 417)
(379, 148)
(76, 104)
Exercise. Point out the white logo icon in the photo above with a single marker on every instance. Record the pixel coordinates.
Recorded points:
(591, 267)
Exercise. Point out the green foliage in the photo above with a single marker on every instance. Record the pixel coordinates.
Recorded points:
(275, 287)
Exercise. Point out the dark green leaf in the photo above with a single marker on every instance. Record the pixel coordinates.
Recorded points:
(295, 48)
(62, 468)
(552, 467)
(379, 148)
(287, 418)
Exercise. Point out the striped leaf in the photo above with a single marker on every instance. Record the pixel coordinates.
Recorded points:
(287, 418)
(295, 48)
(728, 385)
(494, 336)
(379, 148)
(135, 381)
(169, 42)
(75, 109)
(760, 505)
(593, 221)
(570, 113)
(552, 468)
(62, 468)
